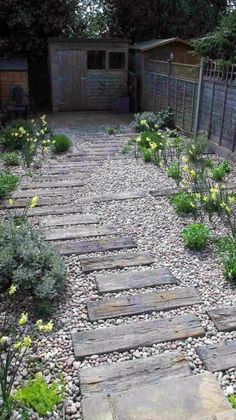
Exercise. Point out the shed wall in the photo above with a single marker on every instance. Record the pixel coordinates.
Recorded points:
(9, 78)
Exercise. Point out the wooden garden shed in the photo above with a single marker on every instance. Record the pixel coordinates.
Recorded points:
(88, 74)
(13, 71)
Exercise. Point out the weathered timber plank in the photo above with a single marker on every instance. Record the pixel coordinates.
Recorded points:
(50, 192)
(78, 219)
(131, 336)
(102, 245)
(113, 196)
(80, 232)
(66, 170)
(134, 280)
(52, 210)
(80, 177)
(220, 356)
(46, 201)
(165, 192)
(121, 376)
(142, 303)
(224, 318)
(52, 184)
(195, 397)
(116, 261)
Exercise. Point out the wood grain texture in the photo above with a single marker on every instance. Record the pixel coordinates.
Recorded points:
(115, 261)
(142, 303)
(52, 184)
(131, 336)
(45, 201)
(52, 210)
(122, 376)
(218, 357)
(78, 232)
(134, 280)
(49, 192)
(224, 318)
(101, 245)
(78, 219)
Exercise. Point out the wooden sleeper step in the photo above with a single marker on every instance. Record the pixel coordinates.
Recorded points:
(78, 232)
(78, 219)
(101, 245)
(224, 318)
(218, 357)
(142, 303)
(131, 336)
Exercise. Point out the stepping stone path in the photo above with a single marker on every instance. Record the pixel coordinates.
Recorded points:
(160, 387)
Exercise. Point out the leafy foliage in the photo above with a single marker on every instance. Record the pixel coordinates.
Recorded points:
(8, 183)
(196, 147)
(220, 44)
(196, 236)
(174, 172)
(227, 250)
(11, 159)
(163, 18)
(160, 120)
(219, 172)
(61, 143)
(28, 261)
(40, 396)
(184, 203)
(8, 140)
(232, 400)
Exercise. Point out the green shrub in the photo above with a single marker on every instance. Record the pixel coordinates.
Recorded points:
(147, 154)
(174, 172)
(184, 203)
(163, 119)
(8, 140)
(227, 250)
(11, 159)
(196, 147)
(196, 236)
(61, 143)
(220, 171)
(232, 400)
(28, 261)
(8, 183)
(113, 130)
(40, 396)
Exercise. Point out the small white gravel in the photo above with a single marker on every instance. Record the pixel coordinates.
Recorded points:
(156, 227)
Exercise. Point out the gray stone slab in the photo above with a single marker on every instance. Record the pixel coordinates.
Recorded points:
(115, 261)
(78, 219)
(122, 376)
(52, 210)
(100, 245)
(135, 334)
(131, 195)
(52, 184)
(78, 232)
(50, 192)
(220, 356)
(196, 397)
(134, 280)
(142, 303)
(46, 201)
(224, 318)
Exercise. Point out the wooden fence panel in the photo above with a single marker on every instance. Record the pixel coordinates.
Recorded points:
(176, 85)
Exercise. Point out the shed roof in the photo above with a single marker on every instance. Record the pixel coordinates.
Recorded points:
(13, 64)
(155, 43)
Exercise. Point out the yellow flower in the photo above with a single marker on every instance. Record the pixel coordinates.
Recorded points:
(27, 341)
(10, 202)
(198, 196)
(153, 146)
(12, 290)
(17, 345)
(23, 319)
(144, 123)
(22, 130)
(34, 202)
(184, 159)
(192, 173)
(3, 340)
(47, 328)
(186, 168)
(192, 205)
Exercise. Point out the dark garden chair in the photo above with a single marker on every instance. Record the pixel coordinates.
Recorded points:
(19, 103)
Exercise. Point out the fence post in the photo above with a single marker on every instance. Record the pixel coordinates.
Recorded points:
(199, 97)
(168, 82)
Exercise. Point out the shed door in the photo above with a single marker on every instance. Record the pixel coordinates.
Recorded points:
(72, 69)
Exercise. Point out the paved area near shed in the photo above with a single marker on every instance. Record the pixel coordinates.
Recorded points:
(145, 325)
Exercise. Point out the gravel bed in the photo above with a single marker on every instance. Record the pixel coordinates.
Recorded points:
(157, 229)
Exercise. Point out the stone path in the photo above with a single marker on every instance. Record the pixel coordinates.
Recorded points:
(158, 387)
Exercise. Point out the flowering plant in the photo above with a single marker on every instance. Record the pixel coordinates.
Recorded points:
(16, 338)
